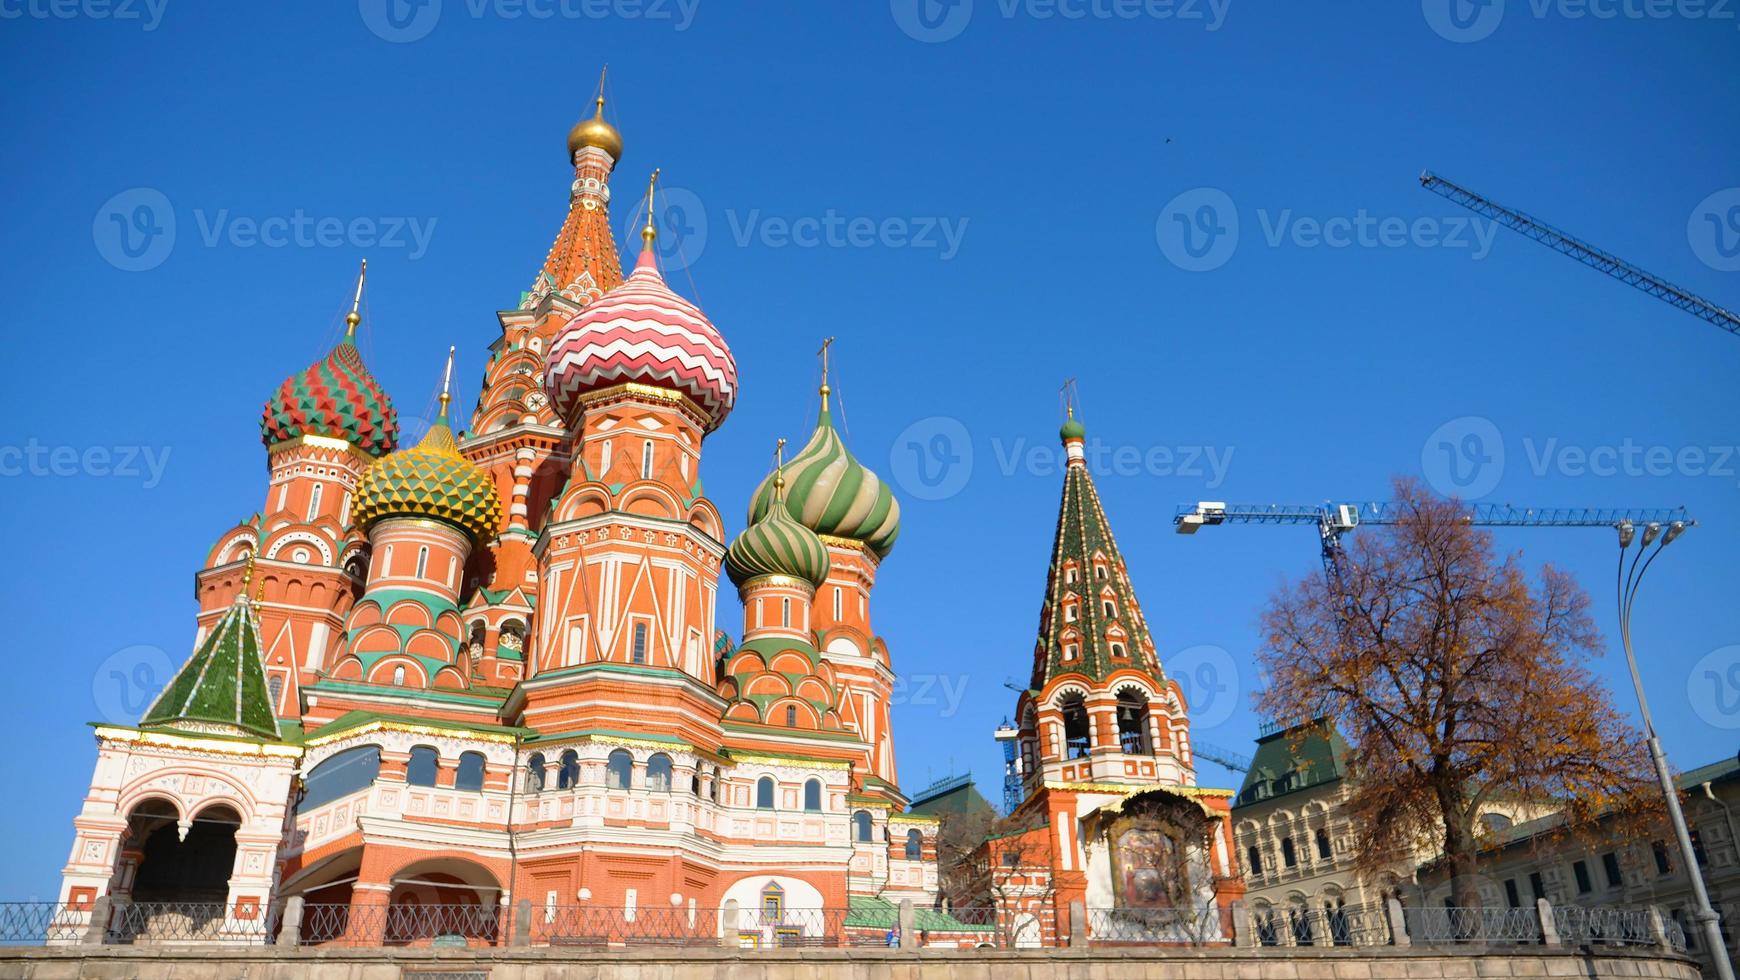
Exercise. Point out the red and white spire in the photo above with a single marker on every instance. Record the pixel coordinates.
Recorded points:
(642, 332)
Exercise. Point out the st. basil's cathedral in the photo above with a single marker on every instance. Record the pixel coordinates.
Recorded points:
(485, 669)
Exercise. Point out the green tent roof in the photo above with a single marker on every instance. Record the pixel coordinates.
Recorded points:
(222, 687)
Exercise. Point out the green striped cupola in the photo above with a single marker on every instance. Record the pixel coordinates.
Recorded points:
(776, 544)
(1091, 623)
(832, 494)
(221, 690)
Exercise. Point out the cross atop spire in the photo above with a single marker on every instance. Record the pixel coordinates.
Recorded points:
(823, 354)
(353, 318)
(447, 382)
(650, 232)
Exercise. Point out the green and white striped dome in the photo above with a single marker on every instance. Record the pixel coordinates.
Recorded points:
(833, 494)
(777, 545)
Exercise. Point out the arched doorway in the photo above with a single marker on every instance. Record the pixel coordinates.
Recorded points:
(444, 902)
(182, 882)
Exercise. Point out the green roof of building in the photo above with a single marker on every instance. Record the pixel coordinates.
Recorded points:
(222, 687)
(1291, 759)
(949, 796)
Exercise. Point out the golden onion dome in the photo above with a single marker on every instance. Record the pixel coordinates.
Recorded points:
(595, 132)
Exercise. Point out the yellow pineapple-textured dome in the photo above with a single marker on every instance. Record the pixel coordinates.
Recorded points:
(429, 480)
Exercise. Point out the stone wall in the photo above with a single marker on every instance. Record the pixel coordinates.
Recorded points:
(1387, 963)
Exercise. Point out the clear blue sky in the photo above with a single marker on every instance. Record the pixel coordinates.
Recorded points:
(1054, 149)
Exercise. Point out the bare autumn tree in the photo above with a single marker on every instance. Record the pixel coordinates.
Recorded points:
(1457, 682)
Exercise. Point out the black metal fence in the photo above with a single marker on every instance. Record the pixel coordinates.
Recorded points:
(592, 927)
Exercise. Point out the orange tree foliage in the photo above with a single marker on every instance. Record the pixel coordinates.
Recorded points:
(1458, 684)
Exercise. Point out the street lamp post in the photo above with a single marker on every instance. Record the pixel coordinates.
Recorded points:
(1628, 581)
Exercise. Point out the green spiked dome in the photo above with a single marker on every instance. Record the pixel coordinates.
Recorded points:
(222, 687)
(833, 494)
(777, 545)
(429, 480)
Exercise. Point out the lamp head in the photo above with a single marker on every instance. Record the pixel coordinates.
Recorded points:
(1626, 532)
(1674, 530)
(1651, 531)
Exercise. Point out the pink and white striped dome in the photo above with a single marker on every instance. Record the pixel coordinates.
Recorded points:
(641, 332)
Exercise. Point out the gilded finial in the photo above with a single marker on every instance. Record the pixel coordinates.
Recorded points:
(823, 354)
(248, 576)
(595, 131)
(447, 382)
(353, 318)
(779, 470)
(1066, 394)
(650, 232)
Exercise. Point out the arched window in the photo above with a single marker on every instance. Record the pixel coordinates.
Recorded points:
(1289, 857)
(785, 612)
(604, 456)
(1077, 735)
(813, 794)
(638, 654)
(314, 501)
(839, 603)
(535, 773)
(914, 845)
(1110, 607)
(619, 770)
(399, 676)
(1323, 849)
(764, 793)
(343, 774)
(1132, 719)
(568, 775)
(469, 776)
(861, 826)
(1099, 571)
(695, 783)
(420, 771)
(646, 460)
(1254, 858)
(658, 773)
(791, 716)
(422, 561)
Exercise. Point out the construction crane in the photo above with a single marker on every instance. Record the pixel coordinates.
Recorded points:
(1220, 755)
(1583, 252)
(1335, 520)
